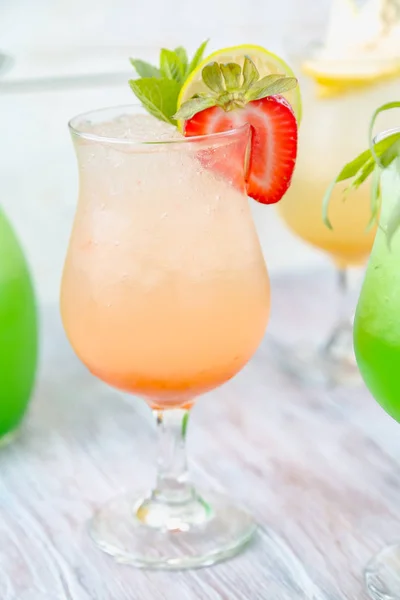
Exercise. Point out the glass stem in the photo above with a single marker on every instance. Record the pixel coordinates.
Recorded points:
(340, 341)
(345, 315)
(173, 484)
(349, 286)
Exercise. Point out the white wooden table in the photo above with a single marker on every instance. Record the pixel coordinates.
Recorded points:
(319, 470)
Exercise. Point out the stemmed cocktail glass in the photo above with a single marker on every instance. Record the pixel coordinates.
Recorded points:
(377, 347)
(165, 295)
(342, 79)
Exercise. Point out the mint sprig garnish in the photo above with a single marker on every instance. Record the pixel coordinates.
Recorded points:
(159, 96)
(144, 69)
(158, 88)
(231, 87)
(379, 156)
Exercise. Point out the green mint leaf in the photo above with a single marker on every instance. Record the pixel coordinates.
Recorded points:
(364, 171)
(171, 65)
(158, 96)
(193, 106)
(144, 69)
(390, 154)
(325, 204)
(377, 112)
(212, 77)
(375, 196)
(361, 175)
(355, 165)
(250, 73)
(197, 58)
(379, 156)
(231, 73)
(359, 168)
(183, 57)
(271, 85)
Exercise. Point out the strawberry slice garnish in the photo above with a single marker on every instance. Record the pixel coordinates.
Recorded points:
(235, 100)
(273, 144)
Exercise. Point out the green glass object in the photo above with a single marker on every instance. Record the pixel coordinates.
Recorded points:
(18, 331)
(377, 321)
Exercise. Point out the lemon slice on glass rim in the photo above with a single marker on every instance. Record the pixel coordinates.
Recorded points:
(266, 62)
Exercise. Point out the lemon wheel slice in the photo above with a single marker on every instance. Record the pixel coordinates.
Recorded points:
(266, 62)
(347, 72)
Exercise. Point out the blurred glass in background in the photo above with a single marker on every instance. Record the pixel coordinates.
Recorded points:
(344, 75)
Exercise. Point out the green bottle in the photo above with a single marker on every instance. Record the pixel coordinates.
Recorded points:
(18, 332)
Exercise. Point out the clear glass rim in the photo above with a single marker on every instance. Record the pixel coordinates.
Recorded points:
(384, 134)
(211, 138)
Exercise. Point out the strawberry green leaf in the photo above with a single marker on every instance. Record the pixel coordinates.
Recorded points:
(212, 77)
(231, 73)
(197, 58)
(250, 73)
(193, 106)
(171, 66)
(271, 85)
(158, 96)
(144, 69)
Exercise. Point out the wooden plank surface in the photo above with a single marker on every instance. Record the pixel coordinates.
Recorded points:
(318, 469)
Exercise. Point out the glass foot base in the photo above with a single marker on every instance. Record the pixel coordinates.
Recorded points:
(382, 574)
(217, 530)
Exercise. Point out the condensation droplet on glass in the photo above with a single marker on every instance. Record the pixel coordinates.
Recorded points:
(102, 206)
(164, 215)
(116, 242)
(108, 305)
(124, 276)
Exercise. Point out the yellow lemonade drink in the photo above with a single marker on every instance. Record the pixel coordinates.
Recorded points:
(165, 293)
(332, 129)
(355, 69)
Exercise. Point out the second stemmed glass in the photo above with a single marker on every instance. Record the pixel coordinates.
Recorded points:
(377, 346)
(332, 131)
(165, 294)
